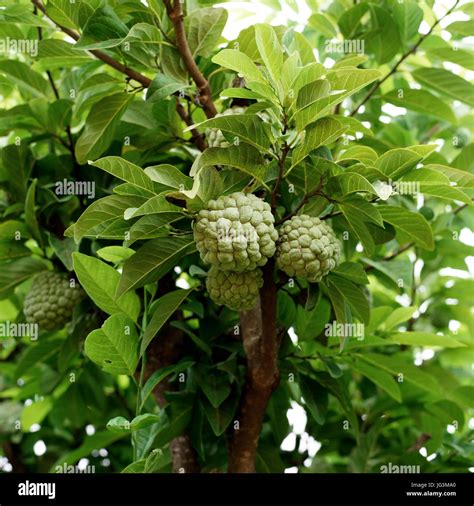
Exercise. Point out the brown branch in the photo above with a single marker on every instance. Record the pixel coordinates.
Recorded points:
(164, 351)
(123, 69)
(402, 59)
(198, 139)
(176, 16)
(304, 200)
(392, 255)
(261, 343)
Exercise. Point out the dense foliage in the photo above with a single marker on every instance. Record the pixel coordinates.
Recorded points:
(104, 170)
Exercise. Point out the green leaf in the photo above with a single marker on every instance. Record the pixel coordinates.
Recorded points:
(446, 83)
(363, 154)
(460, 177)
(321, 133)
(35, 413)
(165, 306)
(15, 272)
(13, 249)
(424, 339)
(145, 420)
(154, 260)
(204, 28)
(239, 62)
(158, 376)
(409, 372)
(100, 126)
(309, 324)
(100, 281)
(243, 157)
(115, 345)
(344, 82)
(383, 39)
(459, 56)
(349, 182)
(247, 128)
(36, 354)
(380, 378)
(315, 398)
(323, 23)
(30, 213)
(413, 225)
(170, 176)
(396, 162)
(270, 50)
(353, 294)
(353, 272)
(115, 254)
(179, 413)
(103, 29)
(446, 192)
(118, 425)
(397, 316)
(123, 169)
(221, 417)
(105, 218)
(215, 385)
(408, 17)
(27, 80)
(163, 86)
(100, 439)
(421, 101)
(67, 14)
(155, 205)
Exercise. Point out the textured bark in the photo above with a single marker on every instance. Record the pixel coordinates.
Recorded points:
(166, 349)
(261, 345)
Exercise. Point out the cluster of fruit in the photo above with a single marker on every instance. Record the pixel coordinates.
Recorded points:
(236, 235)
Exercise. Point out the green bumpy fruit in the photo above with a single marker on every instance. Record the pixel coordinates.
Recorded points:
(50, 301)
(236, 232)
(236, 290)
(307, 248)
(215, 138)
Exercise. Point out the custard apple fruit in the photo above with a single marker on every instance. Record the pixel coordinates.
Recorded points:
(50, 301)
(236, 232)
(307, 248)
(215, 138)
(236, 290)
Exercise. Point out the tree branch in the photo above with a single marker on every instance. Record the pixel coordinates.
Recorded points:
(393, 255)
(402, 59)
(176, 16)
(123, 69)
(261, 343)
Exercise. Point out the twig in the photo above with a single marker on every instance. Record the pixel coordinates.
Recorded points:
(175, 14)
(132, 74)
(402, 59)
(392, 255)
(281, 169)
(304, 201)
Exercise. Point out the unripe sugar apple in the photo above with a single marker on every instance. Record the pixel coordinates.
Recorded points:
(307, 248)
(236, 290)
(50, 301)
(236, 232)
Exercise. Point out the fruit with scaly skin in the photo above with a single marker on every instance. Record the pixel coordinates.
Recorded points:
(307, 248)
(51, 300)
(215, 138)
(236, 232)
(236, 290)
